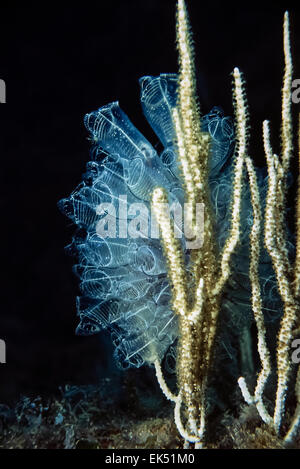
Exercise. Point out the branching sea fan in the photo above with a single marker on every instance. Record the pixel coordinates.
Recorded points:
(198, 271)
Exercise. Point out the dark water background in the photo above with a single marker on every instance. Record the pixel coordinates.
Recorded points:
(60, 62)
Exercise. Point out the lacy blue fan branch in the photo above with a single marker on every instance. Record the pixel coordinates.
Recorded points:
(124, 281)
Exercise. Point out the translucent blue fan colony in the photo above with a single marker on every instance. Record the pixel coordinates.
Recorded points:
(124, 280)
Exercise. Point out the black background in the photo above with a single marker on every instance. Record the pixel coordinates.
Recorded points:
(60, 62)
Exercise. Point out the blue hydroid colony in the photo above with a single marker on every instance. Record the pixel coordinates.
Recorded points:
(124, 280)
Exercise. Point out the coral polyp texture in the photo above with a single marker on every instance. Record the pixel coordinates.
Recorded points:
(170, 244)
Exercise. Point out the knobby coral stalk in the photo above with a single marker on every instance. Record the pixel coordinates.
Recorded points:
(196, 300)
(287, 276)
(198, 311)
